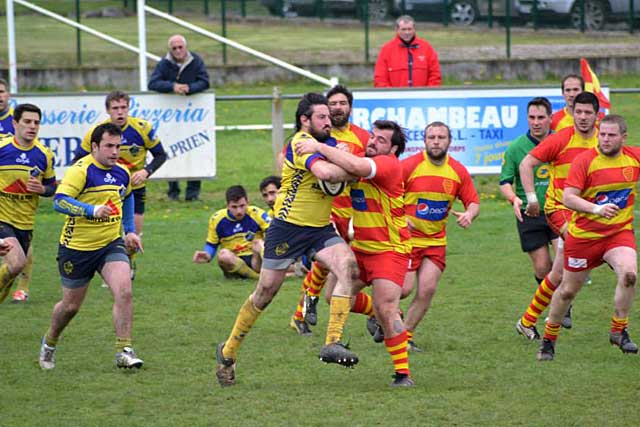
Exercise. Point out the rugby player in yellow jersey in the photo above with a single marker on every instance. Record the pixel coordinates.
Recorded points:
(300, 226)
(138, 137)
(95, 194)
(238, 231)
(26, 173)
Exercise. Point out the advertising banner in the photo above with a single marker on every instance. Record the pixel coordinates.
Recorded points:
(185, 125)
(482, 121)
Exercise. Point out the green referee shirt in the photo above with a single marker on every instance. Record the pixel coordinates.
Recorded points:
(510, 174)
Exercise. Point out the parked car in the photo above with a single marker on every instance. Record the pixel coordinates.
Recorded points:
(460, 12)
(596, 12)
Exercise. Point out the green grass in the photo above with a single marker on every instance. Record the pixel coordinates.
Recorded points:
(476, 372)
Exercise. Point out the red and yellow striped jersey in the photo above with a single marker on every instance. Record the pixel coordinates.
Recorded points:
(561, 119)
(379, 223)
(430, 191)
(602, 179)
(559, 150)
(356, 139)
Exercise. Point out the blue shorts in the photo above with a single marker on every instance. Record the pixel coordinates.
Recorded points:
(77, 268)
(285, 242)
(22, 236)
(139, 199)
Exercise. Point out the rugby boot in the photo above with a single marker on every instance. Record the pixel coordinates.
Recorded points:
(226, 370)
(311, 309)
(547, 350)
(529, 332)
(338, 353)
(127, 359)
(567, 323)
(47, 357)
(300, 326)
(402, 380)
(622, 341)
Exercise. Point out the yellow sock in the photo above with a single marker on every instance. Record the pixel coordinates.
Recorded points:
(6, 281)
(24, 278)
(247, 316)
(51, 342)
(241, 268)
(338, 312)
(121, 343)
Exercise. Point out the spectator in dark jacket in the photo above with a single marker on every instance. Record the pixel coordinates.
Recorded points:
(183, 73)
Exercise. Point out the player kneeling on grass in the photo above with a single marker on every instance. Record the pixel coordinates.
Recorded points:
(238, 230)
(601, 190)
(95, 194)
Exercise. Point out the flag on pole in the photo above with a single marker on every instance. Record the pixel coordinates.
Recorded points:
(592, 84)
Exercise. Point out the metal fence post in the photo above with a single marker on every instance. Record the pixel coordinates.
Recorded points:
(243, 8)
(365, 20)
(206, 7)
(490, 15)
(445, 13)
(534, 12)
(223, 17)
(631, 16)
(277, 121)
(171, 7)
(78, 41)
(508, 26)
(582, 23)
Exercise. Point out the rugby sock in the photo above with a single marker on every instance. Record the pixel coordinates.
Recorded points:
(121, 343)
(247, 316)
(6, 281)
(48, 340)
(241, 268)
(397, 348)
(338, 313)
(551, 331)
(298, 313)
(24, 279)
(362, 304)
(540, 301)
(409, 335)
(618, 324)
(315, 279)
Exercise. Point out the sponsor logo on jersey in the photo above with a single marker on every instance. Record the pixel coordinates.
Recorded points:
(122, 191)
(358, 200)
(35, 172)
(109, 179)
(542, 172)
(237, 228)
(620, 198)
(250, 235)
(577, 262)
(23, 159)
(134, 150)
(447, 186)
(432, 210)
(627, 173)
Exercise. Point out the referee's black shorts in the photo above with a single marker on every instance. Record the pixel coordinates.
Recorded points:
(534, 232)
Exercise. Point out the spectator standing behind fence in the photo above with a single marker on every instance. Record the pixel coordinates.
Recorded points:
(407, 60)
(183, 73)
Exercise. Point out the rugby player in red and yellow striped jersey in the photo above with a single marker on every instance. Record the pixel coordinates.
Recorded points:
(559, 150)
(601, 190)
(353, 138)
(381, 236)
(433, 181)
(572, 85)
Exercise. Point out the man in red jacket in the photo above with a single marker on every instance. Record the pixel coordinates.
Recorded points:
(407, 60)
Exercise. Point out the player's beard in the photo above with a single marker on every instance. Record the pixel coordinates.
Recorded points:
(320, 135)
(339, 121)
(439, 156)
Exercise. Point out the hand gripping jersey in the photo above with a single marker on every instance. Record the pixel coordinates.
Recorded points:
(559, 150)
(379, 223)
(603, 180)
(17, 163)
(90, 182)
(356, 139)
(300, 200)
(138, 137)
(237, 236)
(430, 191)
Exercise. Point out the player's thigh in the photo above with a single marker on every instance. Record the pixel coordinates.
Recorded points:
(623, 259)
(385, 293)
(428, 275)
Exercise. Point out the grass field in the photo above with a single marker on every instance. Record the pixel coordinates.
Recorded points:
(476, 371)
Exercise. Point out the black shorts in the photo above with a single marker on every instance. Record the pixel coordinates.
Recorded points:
(247, 260)
(285, 242)
(22, 236)
(77, 268)
(534, 232)
(139, 199)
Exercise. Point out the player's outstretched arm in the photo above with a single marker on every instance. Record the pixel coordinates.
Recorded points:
(352, 164)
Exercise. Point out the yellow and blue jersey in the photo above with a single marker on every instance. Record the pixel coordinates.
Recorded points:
(300, 200)
(6, 122)
(92, 184)
(225, 232)
(17, 163)
(138, 137)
